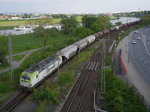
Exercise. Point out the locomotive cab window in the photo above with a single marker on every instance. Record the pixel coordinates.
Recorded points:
(25, 77)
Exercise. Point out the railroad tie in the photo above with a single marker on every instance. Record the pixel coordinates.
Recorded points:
(89, 68)
(93, 66)
(88, 65)
(96, 66)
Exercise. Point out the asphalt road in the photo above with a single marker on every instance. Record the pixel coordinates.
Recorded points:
(139, 53)
(136, 58)
(17, 64)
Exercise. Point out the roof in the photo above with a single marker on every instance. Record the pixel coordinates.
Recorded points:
(42, 64)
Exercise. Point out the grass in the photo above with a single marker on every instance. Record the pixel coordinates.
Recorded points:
(64, 83)
(55, 44)
(27, 42)
(24, 22)
(120, 97)
(19, 57)
(2, 67)
(10, 24)
(4, 96)
(6, 27)
(41, 107)
(79, 19)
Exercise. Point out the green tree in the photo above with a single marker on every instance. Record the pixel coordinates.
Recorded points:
(145, 20)
(81, 32)
(53, 32)
(88, 21)
(41, 32)
(3, 49)
(69, 24)
(101, 23)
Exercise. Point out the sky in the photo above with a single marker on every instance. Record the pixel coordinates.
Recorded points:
(72, 6)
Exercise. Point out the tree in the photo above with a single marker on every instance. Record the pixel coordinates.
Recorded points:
(3, 49)
(41, 32)
(146, 20)
(101, 23)
(53, 32)
(69, 24)
(82, 32)
(88, 21)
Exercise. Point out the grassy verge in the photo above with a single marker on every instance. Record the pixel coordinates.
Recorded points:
(27, 42)
(4, 23)
(52, 92)
(6, 27)
(5, 91)
(57, 43)
(19, 57)
(120, 97)
(10, 24)
(2, 67)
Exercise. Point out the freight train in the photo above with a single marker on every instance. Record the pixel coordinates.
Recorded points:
(34, 75)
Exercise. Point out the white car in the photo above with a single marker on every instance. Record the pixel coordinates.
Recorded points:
(135, 31)
(138, 38)
(133, 42)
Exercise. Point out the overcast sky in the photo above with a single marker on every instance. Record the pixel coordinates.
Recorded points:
(73, 6)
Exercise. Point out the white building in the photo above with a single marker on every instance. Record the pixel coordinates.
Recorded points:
(15, 18)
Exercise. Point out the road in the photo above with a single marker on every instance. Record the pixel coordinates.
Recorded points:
(16, 64)
(137, 60)
(139, 53)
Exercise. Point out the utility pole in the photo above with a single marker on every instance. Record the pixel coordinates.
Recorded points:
(102, 72)
(103, 79)
(104, 65)
(10, 60)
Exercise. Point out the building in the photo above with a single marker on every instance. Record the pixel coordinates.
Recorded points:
(15, 18)
(3, 17)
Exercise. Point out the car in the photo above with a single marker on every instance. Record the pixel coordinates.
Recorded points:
(138, 38)
(135, 31)
(133, 42)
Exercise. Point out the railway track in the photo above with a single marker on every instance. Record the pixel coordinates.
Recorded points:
(81, 97)
(17, 99)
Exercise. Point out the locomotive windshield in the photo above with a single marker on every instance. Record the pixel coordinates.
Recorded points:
(25, 77)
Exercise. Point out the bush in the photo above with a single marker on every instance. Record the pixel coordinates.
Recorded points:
(4, 87)
(46, 94)
(53, 32)
(145, 20)
(65, 79)
(82, 32)
(69, 24)
(120, 97)
(3, 50)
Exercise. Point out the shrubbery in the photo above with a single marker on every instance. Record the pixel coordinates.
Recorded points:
(120, 97)
(82, 32)
(65, 79)
(4, 87)
(145, 20)
(3, 50)
(48, 94)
